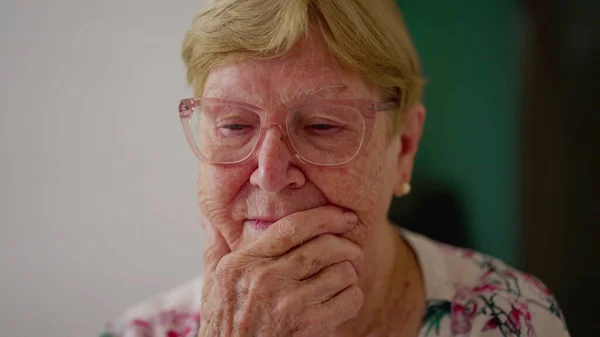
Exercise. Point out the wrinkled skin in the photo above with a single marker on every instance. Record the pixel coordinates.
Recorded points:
(330, 264)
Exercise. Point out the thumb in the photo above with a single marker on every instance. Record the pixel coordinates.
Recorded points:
(215, 248)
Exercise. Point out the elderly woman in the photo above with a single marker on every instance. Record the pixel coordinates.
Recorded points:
(306, 122)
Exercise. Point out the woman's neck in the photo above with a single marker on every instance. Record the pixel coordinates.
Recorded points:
(394, 296)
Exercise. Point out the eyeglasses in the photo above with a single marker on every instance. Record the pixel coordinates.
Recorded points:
(327, 133)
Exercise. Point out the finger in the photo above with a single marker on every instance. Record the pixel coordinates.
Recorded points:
(300, 227)
(216, 247)
(328, 283)
(343, 306)
(321, 252)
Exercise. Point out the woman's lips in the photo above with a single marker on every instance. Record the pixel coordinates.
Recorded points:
(259, 225)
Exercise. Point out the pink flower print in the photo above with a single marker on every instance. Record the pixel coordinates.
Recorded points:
(520, 312)
(142, 327)
(181, 319)
(461, 322)
(467, 253)
(491, 324)
(515, 317)
(177, 320)
(457, 250)
(140, 323)
(522, 307)
(511, 323)
(463, 311)
(537, 285)
(510, 273)
(182, 333)
(486, 288)
(514, 320)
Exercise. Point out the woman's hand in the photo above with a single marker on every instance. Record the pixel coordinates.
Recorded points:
(297, 279)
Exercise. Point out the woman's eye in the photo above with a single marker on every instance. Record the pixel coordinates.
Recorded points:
(236, 126)
(323, 126)
(324, 129)
(235, 129)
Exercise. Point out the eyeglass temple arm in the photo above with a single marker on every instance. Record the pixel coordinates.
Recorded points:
(383, 106)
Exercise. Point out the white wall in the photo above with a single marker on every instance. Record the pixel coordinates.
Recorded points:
(97, 200)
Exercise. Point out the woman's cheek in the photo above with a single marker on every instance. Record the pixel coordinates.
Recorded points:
(220, 208)
(218, 193)
(356, 188)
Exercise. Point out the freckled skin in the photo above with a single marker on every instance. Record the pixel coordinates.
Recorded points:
(274, 182)
(227, 195)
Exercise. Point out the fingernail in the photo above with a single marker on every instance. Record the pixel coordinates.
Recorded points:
(351, 217)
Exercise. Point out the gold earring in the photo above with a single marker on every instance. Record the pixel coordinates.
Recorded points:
(403, 190)
(406, 188)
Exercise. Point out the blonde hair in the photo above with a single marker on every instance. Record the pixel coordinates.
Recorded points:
(367, 36)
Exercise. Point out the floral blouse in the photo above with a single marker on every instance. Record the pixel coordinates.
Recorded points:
(468, 294)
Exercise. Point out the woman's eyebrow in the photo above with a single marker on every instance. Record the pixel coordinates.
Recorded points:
(226, 92)
(320, 92)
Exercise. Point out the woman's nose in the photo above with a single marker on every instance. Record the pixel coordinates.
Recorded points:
(275, 170)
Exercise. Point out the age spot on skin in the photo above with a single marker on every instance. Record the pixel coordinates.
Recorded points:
(300, 258)
(286, 241)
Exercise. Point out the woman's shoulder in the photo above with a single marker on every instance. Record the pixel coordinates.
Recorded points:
(473, 294)
(174, 313)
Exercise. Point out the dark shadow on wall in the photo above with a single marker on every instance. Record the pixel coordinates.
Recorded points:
(431, 209)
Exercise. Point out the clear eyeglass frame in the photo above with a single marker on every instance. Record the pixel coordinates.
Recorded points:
(366, 107)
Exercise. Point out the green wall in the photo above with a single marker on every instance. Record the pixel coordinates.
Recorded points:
(470, 53)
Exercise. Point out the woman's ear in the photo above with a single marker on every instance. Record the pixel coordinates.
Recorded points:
(410, 135)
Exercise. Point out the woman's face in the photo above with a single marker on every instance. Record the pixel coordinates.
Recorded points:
(274, 183)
